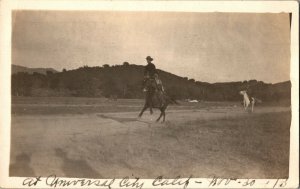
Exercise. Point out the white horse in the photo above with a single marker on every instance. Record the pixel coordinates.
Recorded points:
(246, 101)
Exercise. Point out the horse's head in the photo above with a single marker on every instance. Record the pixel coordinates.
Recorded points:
(242, 92)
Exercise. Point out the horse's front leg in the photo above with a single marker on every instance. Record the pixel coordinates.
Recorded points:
(252, 105)
(144, 108)
(164, 116)
(245, 105)
(161, 114)
(150, 103)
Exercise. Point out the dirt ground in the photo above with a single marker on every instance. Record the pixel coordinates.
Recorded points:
(98, 138)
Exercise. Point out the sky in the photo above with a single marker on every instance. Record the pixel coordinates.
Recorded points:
(208, 47)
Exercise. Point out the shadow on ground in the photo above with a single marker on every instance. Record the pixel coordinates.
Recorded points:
(76, 168)
(22, 166)
(125, 119)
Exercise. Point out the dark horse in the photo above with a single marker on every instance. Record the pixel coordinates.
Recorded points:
(159, 100)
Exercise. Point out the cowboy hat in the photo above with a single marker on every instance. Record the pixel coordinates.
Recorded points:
(149, 58)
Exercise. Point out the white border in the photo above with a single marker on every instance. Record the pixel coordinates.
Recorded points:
(6, 8)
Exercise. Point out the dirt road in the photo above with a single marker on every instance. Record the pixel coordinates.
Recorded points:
(221, 141)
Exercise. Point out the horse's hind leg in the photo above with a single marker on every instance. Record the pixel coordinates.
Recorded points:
(163, 110)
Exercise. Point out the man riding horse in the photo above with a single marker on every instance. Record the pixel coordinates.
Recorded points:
(156, 97)
(150, 75)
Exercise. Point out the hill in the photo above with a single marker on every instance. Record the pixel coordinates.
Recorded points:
(17, 69)
(125, 81)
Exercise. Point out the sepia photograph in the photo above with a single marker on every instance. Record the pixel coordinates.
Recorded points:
(114, 94)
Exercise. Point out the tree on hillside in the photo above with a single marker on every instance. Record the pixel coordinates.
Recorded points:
(125, 64)
(48, 73)
(105, 66)
(110, 88)
(125, 82)
(21, 84)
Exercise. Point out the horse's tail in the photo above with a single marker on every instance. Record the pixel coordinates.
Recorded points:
(172, 101)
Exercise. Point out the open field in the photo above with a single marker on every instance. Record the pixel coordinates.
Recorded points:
(98, 138)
